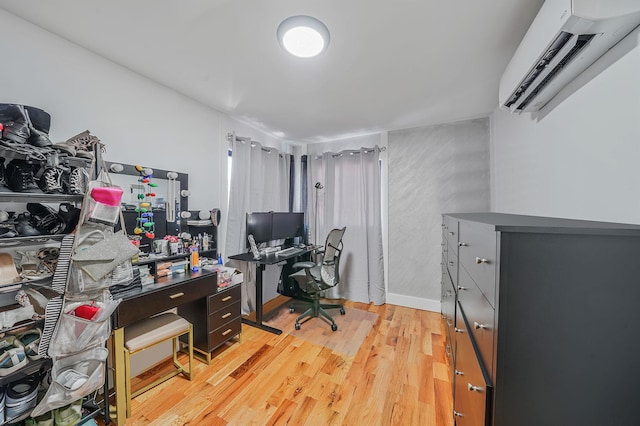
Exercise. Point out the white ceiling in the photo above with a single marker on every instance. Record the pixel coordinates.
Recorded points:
(391, 64)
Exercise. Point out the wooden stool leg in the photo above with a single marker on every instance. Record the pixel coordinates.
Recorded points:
(127, 380)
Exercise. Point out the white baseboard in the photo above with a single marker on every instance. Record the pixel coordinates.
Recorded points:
(413, 302)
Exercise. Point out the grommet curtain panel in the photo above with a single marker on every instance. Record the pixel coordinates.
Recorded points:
(346, 189)
(259, 183)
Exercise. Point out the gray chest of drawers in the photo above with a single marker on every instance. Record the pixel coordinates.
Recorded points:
(541, 316)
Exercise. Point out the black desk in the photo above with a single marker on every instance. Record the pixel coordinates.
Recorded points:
(270, 259)
(167, 293)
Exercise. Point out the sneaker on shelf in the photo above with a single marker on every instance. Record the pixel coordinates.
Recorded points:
(12, 355)
(21, 396)
(15, 124)
(24, 226)
(45, 219)
(19, 176)
(70, 215)
(82, 143)
(75, 181)
(51, 180)
(30, 339)
(7, 231)
(39, 124)
(68, 415)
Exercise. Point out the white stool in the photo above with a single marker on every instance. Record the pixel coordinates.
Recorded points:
(150, 332)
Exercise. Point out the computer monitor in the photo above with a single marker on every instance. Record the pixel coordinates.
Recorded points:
(259, 225)
(287, 226)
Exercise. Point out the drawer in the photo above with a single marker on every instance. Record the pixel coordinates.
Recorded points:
(481, 317)
(224, 315)
(445, 251)
(225, 298)
(452, 266)
(472, 389)
(224, 333)
(478, 255)
(450, 231)
(449, 313)
(152, 302)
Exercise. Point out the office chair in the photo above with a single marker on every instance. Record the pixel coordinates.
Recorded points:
(314, 278)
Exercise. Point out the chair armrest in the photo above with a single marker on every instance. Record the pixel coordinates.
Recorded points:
(306, 265)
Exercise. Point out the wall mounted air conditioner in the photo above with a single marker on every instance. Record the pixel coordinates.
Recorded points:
(564, 39)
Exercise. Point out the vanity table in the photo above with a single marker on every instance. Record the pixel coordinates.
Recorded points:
(214, 313)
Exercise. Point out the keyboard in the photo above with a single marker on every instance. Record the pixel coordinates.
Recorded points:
(289, 251)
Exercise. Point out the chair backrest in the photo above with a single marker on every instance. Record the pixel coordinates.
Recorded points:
(330, 267)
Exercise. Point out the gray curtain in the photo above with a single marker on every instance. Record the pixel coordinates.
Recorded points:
(259, 183)
(350, 196)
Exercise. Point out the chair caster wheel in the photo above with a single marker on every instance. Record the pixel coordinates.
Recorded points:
(297, 326)
(342, 312)
(334, 327)
(291, 309)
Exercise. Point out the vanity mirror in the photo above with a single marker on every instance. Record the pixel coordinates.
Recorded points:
(171, 198)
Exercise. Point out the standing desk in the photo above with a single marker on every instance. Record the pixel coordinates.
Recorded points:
(260, 265)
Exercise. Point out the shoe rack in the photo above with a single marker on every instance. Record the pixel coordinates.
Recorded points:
(26, 371)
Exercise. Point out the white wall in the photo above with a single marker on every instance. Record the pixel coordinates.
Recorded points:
(139, 121)
(580, 158)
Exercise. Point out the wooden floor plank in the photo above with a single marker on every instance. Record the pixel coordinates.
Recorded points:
(399, 376)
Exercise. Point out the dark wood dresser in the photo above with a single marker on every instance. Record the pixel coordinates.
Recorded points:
(540, 314)
(220, 317)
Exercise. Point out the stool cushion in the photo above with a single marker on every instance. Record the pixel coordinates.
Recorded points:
(153, 330)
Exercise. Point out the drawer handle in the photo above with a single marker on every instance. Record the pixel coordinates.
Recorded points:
(227, 332)
(457, 414)
(175, 296)
(461, 288)
(459, 373)
(481, 260)
(224, 299)
(452, 233)
(477, 326)
(451, 263)
(462, 244)
(458, 330)
(474, 388)
(227, 315)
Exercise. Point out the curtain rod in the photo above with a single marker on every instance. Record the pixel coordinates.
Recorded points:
(354, 151)
(241, 139)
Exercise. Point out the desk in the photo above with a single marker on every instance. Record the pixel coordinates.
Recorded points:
(165, 294)
(260, 264)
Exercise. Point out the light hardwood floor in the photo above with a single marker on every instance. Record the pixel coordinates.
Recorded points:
(399, 376)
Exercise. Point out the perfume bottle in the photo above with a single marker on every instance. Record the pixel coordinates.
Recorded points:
(194, 258)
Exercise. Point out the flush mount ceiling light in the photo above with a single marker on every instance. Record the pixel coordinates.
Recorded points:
(303, 36)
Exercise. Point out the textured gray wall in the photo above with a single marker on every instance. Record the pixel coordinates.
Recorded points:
(432, 170)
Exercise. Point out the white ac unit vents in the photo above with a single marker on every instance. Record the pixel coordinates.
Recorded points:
(564, 39)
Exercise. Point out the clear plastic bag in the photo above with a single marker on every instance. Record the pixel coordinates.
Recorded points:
(82, 323)
(81, 282)
(103, 201)
(73, 378)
